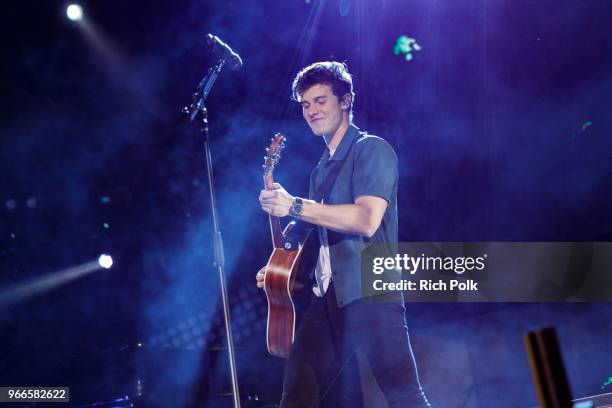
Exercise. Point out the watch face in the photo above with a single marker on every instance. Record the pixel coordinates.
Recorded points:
(297, 207)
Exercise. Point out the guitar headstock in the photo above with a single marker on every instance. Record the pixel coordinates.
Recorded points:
(273, 153)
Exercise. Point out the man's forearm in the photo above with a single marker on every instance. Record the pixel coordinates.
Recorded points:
(351, 219)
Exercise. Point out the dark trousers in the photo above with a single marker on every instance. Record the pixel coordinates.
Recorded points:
(327, 338)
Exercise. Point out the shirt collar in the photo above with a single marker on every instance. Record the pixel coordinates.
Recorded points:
(344, 145)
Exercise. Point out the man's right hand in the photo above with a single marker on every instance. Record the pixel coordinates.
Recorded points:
(260, 277)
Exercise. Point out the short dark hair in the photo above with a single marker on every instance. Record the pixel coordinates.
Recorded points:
(332, 73)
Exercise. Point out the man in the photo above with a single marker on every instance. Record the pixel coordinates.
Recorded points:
(360, 207)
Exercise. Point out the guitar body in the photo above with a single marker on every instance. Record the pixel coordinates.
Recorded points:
(279, 284)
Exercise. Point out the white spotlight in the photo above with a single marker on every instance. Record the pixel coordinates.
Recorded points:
(74, 12)
(105, 261)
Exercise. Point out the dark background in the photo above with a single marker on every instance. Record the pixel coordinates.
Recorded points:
(501, 124)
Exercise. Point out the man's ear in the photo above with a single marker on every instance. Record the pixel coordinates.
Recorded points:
(346, 101)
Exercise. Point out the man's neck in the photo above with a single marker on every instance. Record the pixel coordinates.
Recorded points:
(333, 140)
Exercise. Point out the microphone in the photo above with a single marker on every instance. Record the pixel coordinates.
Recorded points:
(224, 51)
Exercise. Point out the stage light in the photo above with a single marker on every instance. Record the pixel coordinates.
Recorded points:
(11, 204)
(586, 124)
(105, 261)
(25, 290)
(74, 12)
(405, 46)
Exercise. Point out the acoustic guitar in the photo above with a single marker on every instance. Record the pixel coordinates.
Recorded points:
(282, 268)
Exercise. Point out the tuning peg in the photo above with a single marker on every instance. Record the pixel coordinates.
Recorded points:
(267, 149)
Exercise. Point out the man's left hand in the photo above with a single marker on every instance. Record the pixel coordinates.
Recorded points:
(276, 202)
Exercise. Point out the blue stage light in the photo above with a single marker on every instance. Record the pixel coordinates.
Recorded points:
(11, 204)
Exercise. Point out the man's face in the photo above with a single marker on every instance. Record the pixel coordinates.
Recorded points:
(322, 109)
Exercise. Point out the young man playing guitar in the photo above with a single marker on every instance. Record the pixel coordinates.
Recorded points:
(360, 207)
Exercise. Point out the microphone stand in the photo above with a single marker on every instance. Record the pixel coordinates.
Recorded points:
(197, 107)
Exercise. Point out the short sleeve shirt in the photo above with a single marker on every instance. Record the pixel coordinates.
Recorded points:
(369, 169)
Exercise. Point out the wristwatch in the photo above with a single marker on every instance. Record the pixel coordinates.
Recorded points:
(297, 207)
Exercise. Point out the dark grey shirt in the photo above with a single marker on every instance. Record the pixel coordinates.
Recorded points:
(370, 168)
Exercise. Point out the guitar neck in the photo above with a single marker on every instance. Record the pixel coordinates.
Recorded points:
(275, 226)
